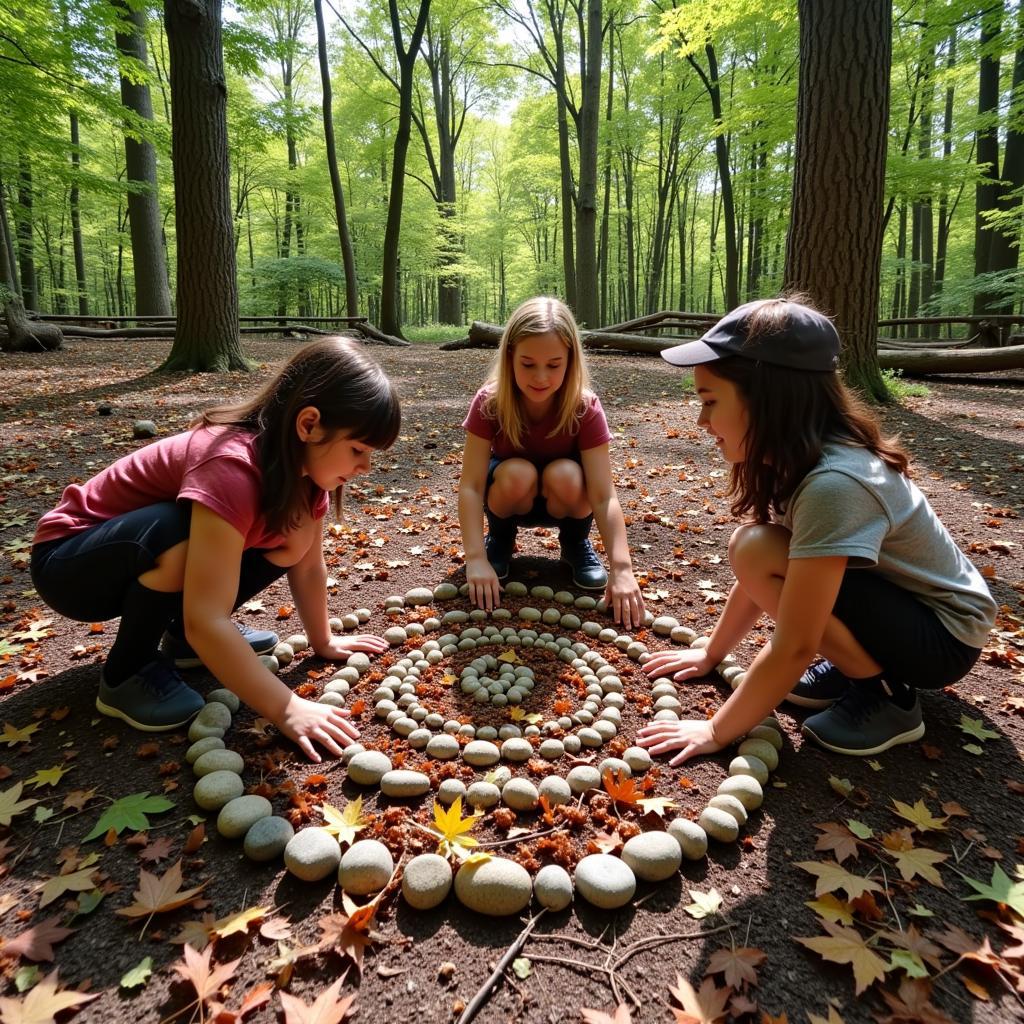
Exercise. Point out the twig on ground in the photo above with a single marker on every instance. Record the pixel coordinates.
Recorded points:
(516, 839)
(484, 993)
(584, 966)
(656, 940)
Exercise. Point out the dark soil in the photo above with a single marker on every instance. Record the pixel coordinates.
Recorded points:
(401, 530)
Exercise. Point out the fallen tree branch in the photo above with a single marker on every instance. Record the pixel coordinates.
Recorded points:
(930, 360)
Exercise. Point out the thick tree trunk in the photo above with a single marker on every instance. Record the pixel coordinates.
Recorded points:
(568, 198)
(987, 146)
(390, 316)
(8, 236)
(81, 284)
(207, 337)
(833, 251)
(1004, 250)
(152, 292)
(586, 210)
(26, 247)
(22, 335)
(347, 254)
(947, 151)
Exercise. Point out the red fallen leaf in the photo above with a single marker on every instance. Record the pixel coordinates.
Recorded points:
(36, 943)
(111, 837)
(7, 682)
(253, 1000)
(315, 781)
(196, 838)
(866, 907)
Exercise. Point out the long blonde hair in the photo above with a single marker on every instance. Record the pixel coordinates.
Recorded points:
(541, 315)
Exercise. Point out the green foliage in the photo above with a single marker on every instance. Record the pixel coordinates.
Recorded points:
(900, 388)
(129, 812)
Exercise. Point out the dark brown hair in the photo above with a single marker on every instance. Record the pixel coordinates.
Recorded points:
(352, 394)
(792, 413)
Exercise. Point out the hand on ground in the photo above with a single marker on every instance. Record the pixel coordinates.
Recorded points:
(690, 737)
(624, 600)
(338, 648)
(484, 588)
(306, 722)
(688, 664)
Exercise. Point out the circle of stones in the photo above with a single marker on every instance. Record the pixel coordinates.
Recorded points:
(266, 836)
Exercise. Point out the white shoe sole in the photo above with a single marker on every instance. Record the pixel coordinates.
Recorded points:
(809, 702)
(112, 712)
(910, 736)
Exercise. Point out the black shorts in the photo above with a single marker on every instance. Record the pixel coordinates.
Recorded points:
(901, 632)
(87, 575)
(538, 515)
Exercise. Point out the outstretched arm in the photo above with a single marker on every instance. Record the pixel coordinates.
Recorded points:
(484, 589)
(622, 594)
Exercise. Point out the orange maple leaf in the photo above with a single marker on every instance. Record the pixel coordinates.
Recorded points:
(738, 967)
(204, 977)
(328, 1008)
(706, 1006)
(155, 895)
(620, 787)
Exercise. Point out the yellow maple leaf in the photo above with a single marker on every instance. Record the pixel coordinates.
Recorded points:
(657, 804)
(12, 736)
(453, 831)
(920, 861)
(509, 656)
(44, 1001)
(919, 816)
(832, 876)
(449, 679)
(75, 881)
(238, 922)
(519, 715)
(831, 908)
(344, 824)
(11, 805)
(49, 776)
(848, 946)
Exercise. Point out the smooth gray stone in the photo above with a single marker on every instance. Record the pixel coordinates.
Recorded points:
(745, 788)
(396, 635)
(239, 815)
(638, 759)
(443, 747)
(495, 887)
(445, 592)
(368, 767)
(312, 854)
(664, 624)
(583, 777)
(198, 731)
(516, 749)
(401, 783)
(213, 791)
(267, 839)
(516, 589)
(652, 856)
(426, 880)
(481, 753)
(747, 764)
(225, 697)
(555, 789)
(719, 824)
(520, 794)
(483, 795)
(552, 749)
(218, 761)
(616, 766)
(762, 749)
(203, 746)
(692, 839)
(419, 595)
(553, 887)
(728, 803)
(605, 881)
(365, 868)
(450, 790)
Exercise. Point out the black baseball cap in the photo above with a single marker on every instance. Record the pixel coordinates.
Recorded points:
(807, 341)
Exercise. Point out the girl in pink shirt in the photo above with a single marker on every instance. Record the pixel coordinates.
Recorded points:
(536, 453)
(176, 535)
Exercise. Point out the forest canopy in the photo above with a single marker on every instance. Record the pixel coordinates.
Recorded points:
(629, 155)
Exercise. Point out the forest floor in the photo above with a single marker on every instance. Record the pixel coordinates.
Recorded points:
(927, 884)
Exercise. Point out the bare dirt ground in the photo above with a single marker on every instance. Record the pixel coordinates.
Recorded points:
(919, 948)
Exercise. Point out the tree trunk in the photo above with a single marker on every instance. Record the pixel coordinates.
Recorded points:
(987, 146)
(390, 316)
(26, 248)
(568, 199)
(152, 293)
(833, 251)
(586, 209)
(22, 335)
(8, 236)
(944, 218)
(76, 225)
(207, 337)
(347, 254)
(602, 245)
(1004, 250)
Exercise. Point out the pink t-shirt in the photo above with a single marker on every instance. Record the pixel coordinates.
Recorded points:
(215, 466)
(537, 446)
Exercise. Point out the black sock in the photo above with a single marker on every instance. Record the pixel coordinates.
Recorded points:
(902, 695)
(144, 616)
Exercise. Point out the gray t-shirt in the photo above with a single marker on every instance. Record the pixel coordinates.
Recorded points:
(853, 504)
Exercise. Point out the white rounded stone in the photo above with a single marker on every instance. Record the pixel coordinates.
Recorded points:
(728, 803)
(555, 790)
(551, 749)
(400, 783)
(213, 791)
(426, 880)
(516, 749)
(652, 856)
(312, 854)
(638, 759)
(298, 642)
(761, 749)
(692, 839)
(747, 764)
(553, 887)
(368, 767)
(450, 790)
(239, 815)
(583, 777)
(218, 761)
(481, 753)
(483, 795)
(768, 734)
(443, 747)
(365, 867)
(267, 839)
(745, 788)
(605, 881)
(719, 824)
(664, 624)
(495, 887)
(396, 635)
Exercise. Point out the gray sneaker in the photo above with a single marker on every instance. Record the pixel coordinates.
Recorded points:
(176, 647)
(155, 699)
(865, 721)
(819, 687)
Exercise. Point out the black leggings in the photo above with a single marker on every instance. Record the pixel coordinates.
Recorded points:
(901, 632)
(86, 576)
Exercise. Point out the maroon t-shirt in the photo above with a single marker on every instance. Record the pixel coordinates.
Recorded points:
(215, 466)
(537, 445)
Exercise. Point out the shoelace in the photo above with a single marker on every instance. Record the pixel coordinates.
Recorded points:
(583, 554)
(160, 677)
(858, 702)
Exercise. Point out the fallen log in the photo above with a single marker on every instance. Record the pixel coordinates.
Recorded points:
(484, 335)
(23, 335)
(978, 360)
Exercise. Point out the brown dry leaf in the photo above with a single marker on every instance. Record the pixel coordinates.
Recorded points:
(195, 933)
(706, 1006)
(259, 996)
(604, 842)
(159, 849)
(275, 928)
(204, 977)
(920, 861)
(36, 943)
(343, 933)
(328, 1008)
(912, 1002)
(620, 1016)
(43, 1003)
(847, 946)
(738, 967)
(831, 877)
(76, 881)
(913, 941)
(155, 895)
(196, 838)
(837, 838)
(239, 922)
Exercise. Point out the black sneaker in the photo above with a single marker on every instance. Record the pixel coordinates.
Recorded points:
(155, 699)
(588, 572)
(819, 687)
(865, 721)
(178, 649)
(499, 543)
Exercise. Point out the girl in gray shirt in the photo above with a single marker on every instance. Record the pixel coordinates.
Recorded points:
(842, 550)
